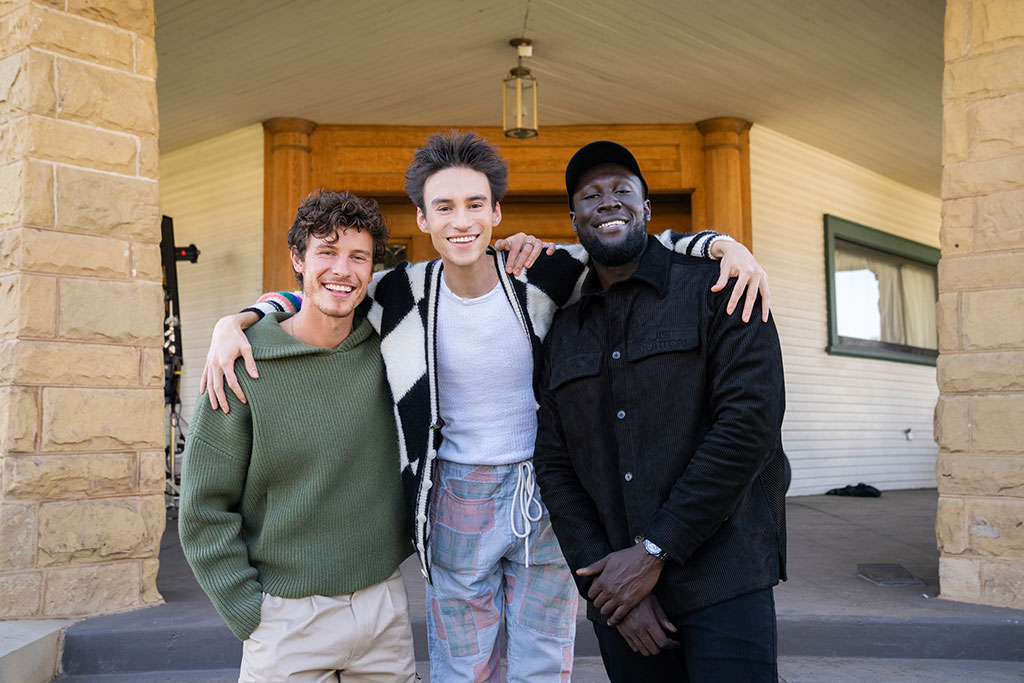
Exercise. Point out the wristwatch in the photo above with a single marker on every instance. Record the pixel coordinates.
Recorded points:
(653, 548)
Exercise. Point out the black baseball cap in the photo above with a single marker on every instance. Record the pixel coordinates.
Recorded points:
(600, 152)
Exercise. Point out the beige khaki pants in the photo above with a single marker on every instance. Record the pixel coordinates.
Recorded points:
(363, 636)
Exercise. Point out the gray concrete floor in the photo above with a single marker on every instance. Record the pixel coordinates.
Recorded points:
(833, 626)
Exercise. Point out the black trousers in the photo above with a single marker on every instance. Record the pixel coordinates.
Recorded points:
(732, 642)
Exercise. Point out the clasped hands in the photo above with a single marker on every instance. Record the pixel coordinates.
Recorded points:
(622, 592)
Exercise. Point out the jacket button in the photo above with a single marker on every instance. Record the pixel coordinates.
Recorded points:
(616, 355)
(421, 518)
(637, 539)
(621, 414)
(629, 476)
(427, 483)
(419, 546)
(424, 572)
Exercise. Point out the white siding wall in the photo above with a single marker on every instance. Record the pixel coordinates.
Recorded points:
(845, 416)
(214, 192)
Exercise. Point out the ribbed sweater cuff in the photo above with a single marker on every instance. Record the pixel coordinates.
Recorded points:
(244, 616)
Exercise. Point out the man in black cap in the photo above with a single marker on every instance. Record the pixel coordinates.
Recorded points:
(659, 447)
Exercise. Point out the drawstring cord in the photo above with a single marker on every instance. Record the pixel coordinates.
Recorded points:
(522, 499)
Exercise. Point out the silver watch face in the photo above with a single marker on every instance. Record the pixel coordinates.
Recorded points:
(651, 547)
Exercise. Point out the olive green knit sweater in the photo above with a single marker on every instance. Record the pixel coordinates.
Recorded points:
(298, 492)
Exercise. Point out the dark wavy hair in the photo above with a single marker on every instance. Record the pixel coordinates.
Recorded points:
(324, 212)
(456, 149)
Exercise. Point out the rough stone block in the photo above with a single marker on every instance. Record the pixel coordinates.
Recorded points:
(43, 362)
(17, 536)
(27, 198)
(956, 236)
(132, 312)
(960, 578)
(967, 372)
(29, 304)
(989, 319)
(70, 35)
(1000, 221)
(152, 367)
(996, 127)
(82, 591)
(89, 531)
(1002, 584)
(954, 133)
(20, 595)
(79, 145)
(996, 424)
(971, 271)
(145, 56)
(995, 527)
(26, 84)
(149, 157)
(949, 525)
(952, 423)
(102, 419)
(146, 264)
(103, 204)
(106, 98)
(150, 594)
(14, 139)
(10, 197)
(152, 472)
(37, 189)
(996, 24)
(947, 319)
(15, 27)
(980, 475)
(50, 477)
(48, 251)
(982, 177)
(19, 419)
(988, 75)
(10, 248)
(956, 34)
(133, 15)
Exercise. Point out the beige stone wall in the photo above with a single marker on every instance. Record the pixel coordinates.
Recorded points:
(81, 368)
(979, 420)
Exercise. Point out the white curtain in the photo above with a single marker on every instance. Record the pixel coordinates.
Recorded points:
(906, 294)
(919, 305)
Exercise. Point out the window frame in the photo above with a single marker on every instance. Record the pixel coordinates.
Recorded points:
(899, 247)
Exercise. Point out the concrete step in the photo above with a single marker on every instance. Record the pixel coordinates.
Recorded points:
(29, 649)
(791, 670)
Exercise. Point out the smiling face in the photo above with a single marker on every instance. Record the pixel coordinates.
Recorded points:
(611, 214)
(336, 271)
(458, 215)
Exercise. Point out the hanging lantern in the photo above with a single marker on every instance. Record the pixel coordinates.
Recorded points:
(519, 95)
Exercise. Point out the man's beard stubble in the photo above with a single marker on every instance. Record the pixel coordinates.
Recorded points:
(618, 254)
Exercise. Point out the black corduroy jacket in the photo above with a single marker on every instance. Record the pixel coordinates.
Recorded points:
(660, 418)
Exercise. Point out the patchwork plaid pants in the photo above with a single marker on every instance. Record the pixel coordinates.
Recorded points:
(485, 576)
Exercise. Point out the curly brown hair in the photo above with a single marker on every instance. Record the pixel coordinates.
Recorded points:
(324, 212)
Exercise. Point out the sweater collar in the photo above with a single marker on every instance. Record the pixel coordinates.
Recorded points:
(269, 340)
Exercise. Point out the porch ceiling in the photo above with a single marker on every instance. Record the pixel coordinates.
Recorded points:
(859, 78)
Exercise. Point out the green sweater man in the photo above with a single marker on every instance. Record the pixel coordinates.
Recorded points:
(297, 492)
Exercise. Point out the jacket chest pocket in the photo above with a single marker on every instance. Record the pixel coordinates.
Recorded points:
(578, 366)
(652, 340)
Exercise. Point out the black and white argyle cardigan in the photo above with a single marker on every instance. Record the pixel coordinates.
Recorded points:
(402, 306)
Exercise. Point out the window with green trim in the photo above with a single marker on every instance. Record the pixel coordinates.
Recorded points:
(882, 291)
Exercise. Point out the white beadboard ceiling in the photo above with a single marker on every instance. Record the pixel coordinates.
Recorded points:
(858, 78)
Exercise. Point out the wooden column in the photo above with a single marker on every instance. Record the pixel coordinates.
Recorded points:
(288, 177)
(727, 176)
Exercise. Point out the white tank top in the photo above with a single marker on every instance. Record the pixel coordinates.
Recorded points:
(485, 380)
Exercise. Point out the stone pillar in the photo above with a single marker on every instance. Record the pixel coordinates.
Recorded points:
(727, 175)
(288, 179)
(81, 367)
(979, 420)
